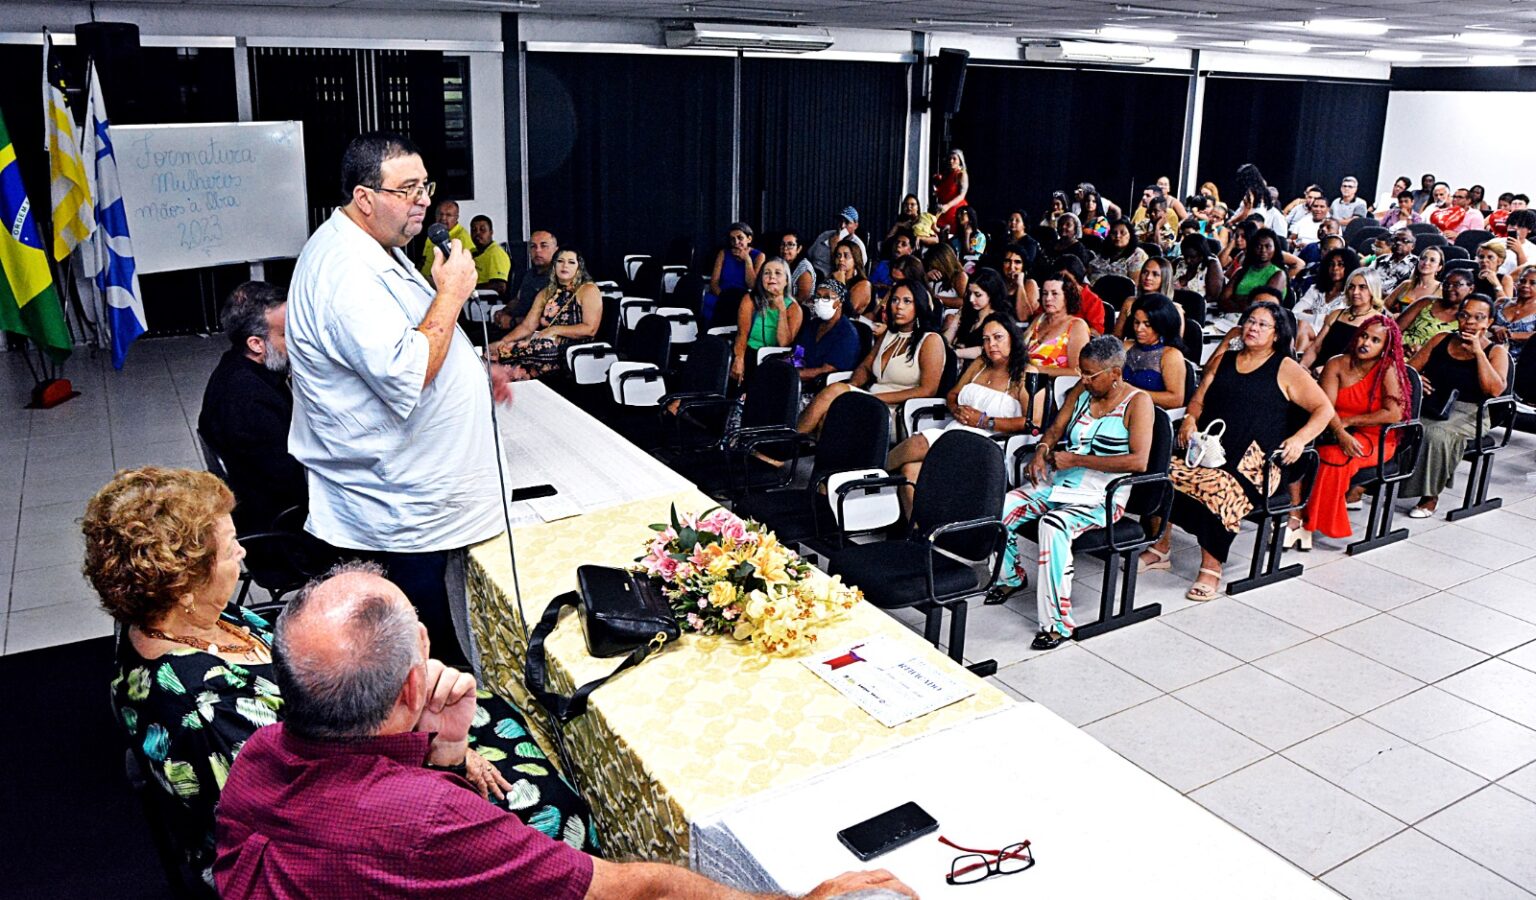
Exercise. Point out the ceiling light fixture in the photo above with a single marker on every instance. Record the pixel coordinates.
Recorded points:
(1157, 11)
(1493, 59)
(1395, 55)
(754, 14)
(1497, 40)
(1346, 27)
(961, 23)
(1136, 35)
(1261, 45)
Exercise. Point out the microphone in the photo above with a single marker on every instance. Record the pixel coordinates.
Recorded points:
(438, 235)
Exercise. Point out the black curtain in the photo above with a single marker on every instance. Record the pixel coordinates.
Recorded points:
(627, 153)
(1296, 132)
(1027, 132)
(817, 136)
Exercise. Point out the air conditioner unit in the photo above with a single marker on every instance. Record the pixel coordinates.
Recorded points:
(1086, 51)
(706, 36)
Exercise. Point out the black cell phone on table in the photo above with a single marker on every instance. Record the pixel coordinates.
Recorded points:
(887, 831)
(533, 492)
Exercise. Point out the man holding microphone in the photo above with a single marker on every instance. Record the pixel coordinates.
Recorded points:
(391, 415)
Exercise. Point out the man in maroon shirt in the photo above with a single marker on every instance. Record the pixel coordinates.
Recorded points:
(359, 792)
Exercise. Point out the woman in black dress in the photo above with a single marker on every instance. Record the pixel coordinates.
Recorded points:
(1251, 390)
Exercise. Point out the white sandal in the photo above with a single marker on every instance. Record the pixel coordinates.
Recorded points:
(1201, 592)
(1159, 561)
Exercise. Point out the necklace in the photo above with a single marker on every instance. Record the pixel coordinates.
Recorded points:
(246, 643)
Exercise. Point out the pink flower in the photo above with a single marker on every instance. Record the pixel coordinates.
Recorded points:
(731, 613)
(703, 604)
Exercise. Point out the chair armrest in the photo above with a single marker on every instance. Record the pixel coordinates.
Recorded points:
(957, 528)
(1128, 482)
(868, 484)
(746, 439)
(688, 398)
(1407, 453)
(1305, 464)
(835, 377)
(1485, 414)
(595, 348)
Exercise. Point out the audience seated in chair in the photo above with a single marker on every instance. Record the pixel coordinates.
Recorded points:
(1090, 304)
(530, 281)
(1436, 313)
(248, 405)
(1400, 263)
(1490, 279)
(492, 265)
(1156, 277)
(946, 277)
(1197, 269)
(1368, 388)
(1121, 256)
(569, 309)
(821, 251)
(827, 342)
(848, 270)
(1103, 430)
(1056, 336)
(767, 316)
(360, 791)
(802, 275)
(447, 216)
(194, 672)
(1022, 292)
(1154, 351)
(1514, 320)
(907, 361)
(988, 398)
(1424, 283)
(735, 268)
(1362, 301)
(1252, 390)
(984, 296)
(1466, 363)
(1260, 266)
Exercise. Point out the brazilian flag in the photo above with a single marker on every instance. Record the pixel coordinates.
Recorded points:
(28, 304)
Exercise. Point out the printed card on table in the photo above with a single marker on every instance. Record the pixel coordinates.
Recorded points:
(891, 681)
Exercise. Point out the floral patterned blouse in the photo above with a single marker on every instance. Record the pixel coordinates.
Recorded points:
(187, 714)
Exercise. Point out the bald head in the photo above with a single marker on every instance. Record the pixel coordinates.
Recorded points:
(344, 648)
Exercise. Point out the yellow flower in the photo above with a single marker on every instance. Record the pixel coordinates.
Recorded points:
(722, 594)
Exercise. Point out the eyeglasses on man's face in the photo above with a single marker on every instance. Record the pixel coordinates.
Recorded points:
(411, 192)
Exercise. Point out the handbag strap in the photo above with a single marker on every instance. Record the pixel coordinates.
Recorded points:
(565, 708)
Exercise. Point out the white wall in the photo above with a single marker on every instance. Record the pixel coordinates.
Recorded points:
(1463, 137)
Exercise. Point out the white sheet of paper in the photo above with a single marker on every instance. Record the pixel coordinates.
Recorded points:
(890, 682)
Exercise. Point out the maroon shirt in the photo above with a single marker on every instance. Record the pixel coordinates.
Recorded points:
(365, 819)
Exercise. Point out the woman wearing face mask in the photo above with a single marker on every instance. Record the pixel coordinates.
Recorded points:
(1106, 426)
(767, 317)
(984, 296)
(1154, 350)
(906, 363)
(1425, 283)
(1367, 387)
(827, 341)
(1156, 277)
(1122, 255)
(1324, 296)
(1362, 301)
(1434, 314)
(848, 269)
(1467, 362)
(987, 398)
(568, 309)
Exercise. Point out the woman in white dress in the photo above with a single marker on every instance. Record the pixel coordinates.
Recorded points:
(987, 399)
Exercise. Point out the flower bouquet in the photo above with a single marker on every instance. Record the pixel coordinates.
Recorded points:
(726, 575)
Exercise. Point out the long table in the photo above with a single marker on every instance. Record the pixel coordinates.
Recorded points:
(697, 728)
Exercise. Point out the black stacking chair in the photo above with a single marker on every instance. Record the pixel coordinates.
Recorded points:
(689, 292)
(1451, 250)
(1270, 516)
(1154, 249)
(854, 437)
(1384, 479)
(211, 459)
(1424, 229)
(1471, 239)
(281, 560)
(1525, 392)
(1149, 494)
(1433, 238)
(1194, 340)
(1492, 414)
(1192, 303)
(956, 525)
(1111, 312)
(1466, 265)
(1364, 237)
(725, 467)
(647, 279)
(1114, 290)
(1353, 229)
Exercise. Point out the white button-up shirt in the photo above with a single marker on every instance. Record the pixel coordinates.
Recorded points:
(391, 465)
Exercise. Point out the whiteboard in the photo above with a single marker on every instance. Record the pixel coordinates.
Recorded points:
(205, 195)
(1441, 132)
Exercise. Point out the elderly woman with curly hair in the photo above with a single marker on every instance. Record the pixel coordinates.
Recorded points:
(194, 673)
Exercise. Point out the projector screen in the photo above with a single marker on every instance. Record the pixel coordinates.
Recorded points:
(1463, 137)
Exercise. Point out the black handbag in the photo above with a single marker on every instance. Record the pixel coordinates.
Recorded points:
(1440, 408)
(621, 613)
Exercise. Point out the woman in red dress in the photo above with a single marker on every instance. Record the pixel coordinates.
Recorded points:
(949, 189)
(1368, 387)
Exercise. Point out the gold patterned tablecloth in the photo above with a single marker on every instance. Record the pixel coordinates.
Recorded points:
(694, 729)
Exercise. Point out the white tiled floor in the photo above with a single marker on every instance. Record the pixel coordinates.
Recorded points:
(1373, 721)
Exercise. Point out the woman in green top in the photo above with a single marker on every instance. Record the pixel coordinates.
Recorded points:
(1435, 314)
(1259, 267)
(767, 317)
